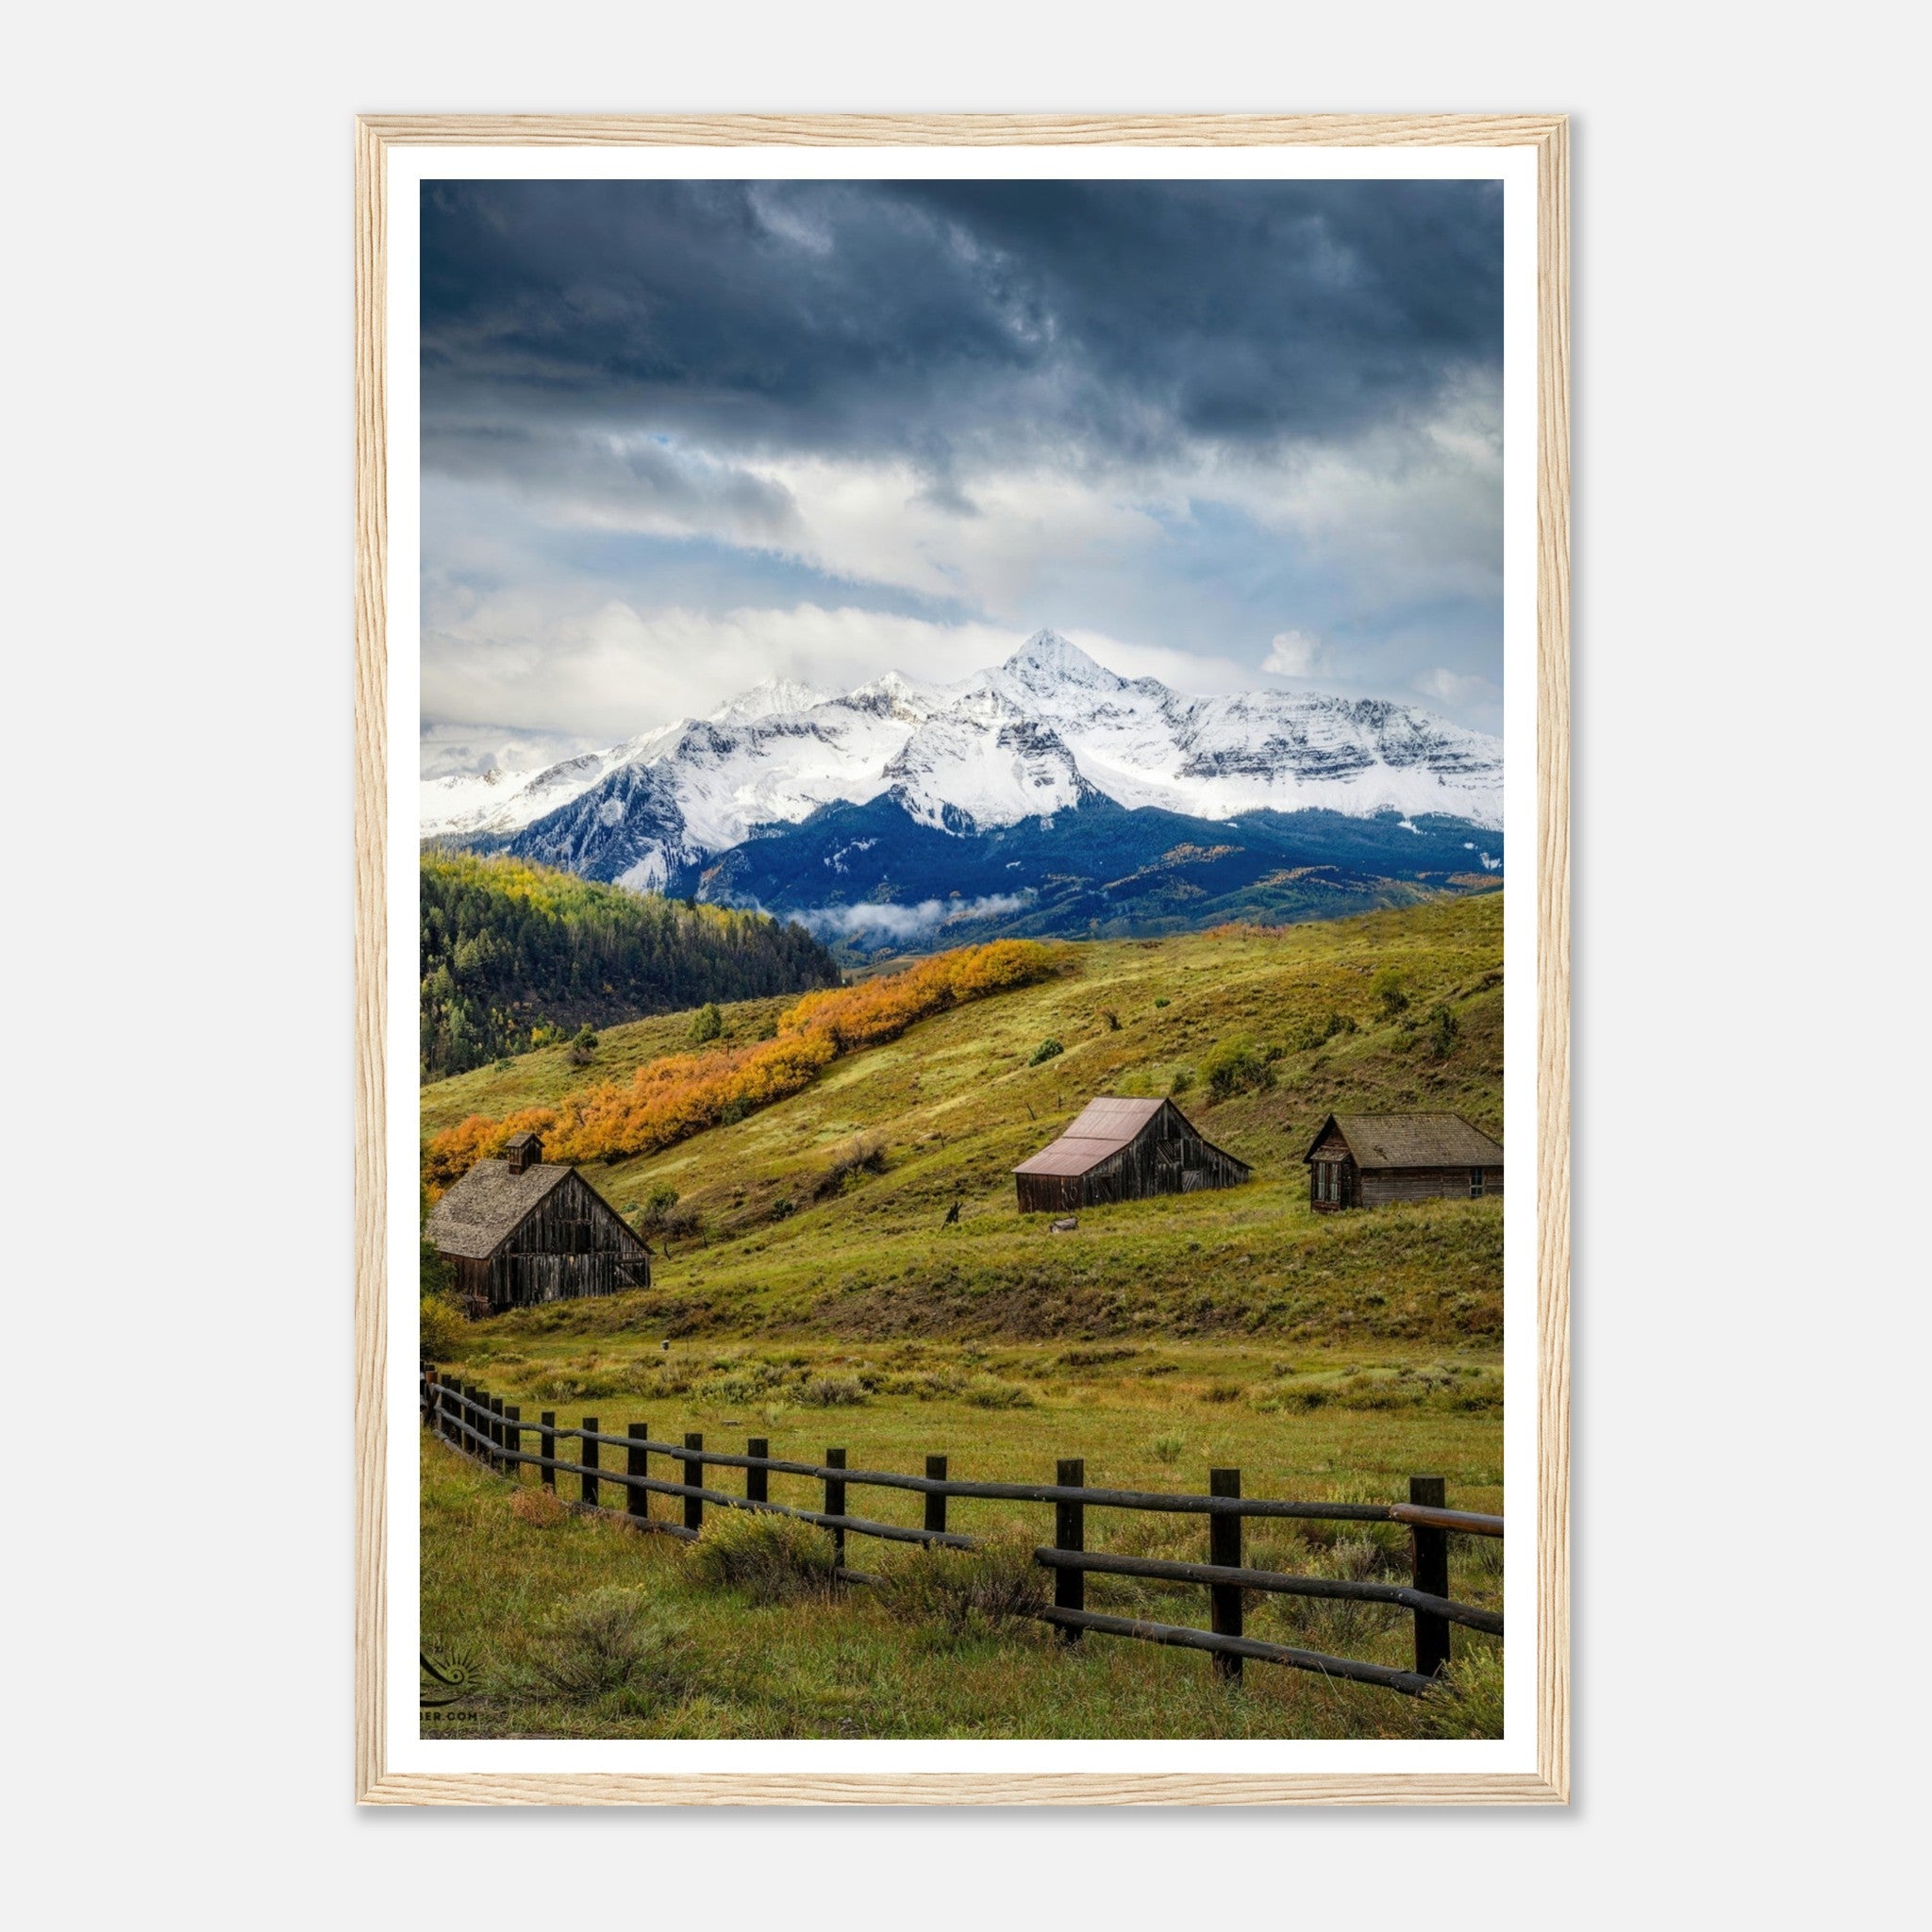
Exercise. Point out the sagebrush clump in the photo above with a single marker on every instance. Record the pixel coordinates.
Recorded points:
(832, 1391)
(772, 1558)
(610, 1641)
(966, 1592)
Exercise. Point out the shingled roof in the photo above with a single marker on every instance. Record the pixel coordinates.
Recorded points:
(1103, 1129)
(1411, 1140)
(471, 1220)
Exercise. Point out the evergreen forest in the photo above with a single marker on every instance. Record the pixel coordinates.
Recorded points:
(516, 956)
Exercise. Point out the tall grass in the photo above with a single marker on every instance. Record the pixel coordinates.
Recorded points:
(772, 1559)
(965, 1591)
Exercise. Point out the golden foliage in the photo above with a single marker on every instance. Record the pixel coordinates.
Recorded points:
(452, 1152)
(669, 1099)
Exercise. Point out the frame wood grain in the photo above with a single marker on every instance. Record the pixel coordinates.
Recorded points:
(1550, 1782)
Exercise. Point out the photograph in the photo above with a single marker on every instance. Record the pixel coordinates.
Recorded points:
(959, 875)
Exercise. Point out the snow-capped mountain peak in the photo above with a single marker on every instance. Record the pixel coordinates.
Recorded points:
(1047, 731)
(894, 694)
(770, 697)
(1046, 663)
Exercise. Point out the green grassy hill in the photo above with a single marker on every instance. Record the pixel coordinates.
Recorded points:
(821, 1215)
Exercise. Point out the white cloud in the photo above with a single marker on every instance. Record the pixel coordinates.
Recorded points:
(1398, 521)
(1407, 510)
(989, 540)
(908, 921)
(1454, 687)
(607, 671)
(1297, 654)
(457, 750)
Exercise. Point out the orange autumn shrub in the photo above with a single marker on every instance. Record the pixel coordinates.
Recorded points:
(881, 1010)
(669, 1099)
(452, 1152)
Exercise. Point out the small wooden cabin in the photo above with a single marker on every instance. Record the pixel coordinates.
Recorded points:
(521, 1230)
(1123, 1150)
(1369, 1159)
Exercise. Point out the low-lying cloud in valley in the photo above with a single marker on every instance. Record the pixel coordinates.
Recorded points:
(908, 923)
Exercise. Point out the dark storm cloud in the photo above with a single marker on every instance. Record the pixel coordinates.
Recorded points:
(953, 324)
(678, 436)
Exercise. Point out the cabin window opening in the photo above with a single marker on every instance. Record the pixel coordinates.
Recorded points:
(1476, 1183)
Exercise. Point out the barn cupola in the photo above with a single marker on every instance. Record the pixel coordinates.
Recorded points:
(523, 1152)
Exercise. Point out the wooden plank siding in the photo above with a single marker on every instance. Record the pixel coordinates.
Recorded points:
(1379, 1187)
(1166, 1156)
(570, 1243)
(1336, 1181)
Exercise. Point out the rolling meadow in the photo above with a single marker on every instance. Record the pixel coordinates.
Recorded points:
(845, 1266)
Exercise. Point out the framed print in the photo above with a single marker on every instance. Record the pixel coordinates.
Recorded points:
(945, 706)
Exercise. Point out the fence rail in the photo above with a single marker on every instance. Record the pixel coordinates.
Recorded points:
(485, 1427)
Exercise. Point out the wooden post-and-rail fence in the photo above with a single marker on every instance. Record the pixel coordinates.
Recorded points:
(482, 1426)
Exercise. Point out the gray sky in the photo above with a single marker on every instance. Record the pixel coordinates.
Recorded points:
(680, 436)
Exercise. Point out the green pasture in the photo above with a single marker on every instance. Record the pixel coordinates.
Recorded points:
(807, 1290)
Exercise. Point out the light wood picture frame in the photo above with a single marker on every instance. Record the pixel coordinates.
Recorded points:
(376, 1781)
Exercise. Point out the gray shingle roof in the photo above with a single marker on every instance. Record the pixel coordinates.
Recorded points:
(1411, 1140)
(475, 1216)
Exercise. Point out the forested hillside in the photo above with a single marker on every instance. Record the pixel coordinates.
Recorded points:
(514, 954)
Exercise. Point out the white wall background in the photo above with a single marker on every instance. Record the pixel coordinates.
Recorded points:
(1750, 711)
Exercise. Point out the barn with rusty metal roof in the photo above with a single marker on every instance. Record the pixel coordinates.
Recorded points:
(1123, 1150)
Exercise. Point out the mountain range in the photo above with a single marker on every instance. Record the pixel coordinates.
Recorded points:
(1044, 795)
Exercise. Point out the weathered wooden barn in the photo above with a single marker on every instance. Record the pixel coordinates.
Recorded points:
(1369, 1159)
(1123, 1150)
(523, 1231)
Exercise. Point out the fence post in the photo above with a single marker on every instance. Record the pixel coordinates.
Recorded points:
(546, 1444)
(835, 1504)
(589, 1461)
(1225, 1548)
(1431, 1574)
(496, 1462)
(935, 1499)
(513, 1441)
(448, 1417)
(694, 1479)
(475, 1421)
(1070, 1533)
(638, 1463)
(757, 1481)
